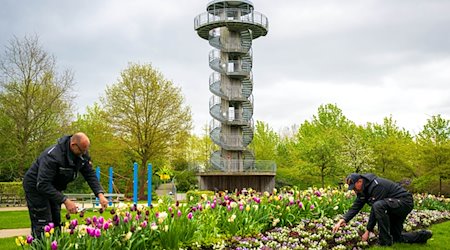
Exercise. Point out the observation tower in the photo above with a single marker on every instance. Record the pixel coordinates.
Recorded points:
(230, 27)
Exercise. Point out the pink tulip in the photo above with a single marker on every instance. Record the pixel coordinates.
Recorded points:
(54, 245)
(30, 239)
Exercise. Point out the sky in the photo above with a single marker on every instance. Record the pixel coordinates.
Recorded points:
(373, 59)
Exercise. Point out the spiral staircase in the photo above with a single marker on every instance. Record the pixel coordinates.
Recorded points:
(230, 27)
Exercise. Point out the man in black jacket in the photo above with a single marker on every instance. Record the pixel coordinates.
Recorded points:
(391, 204)
(49, 175)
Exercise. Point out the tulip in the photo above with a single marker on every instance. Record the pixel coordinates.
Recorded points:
(30, 239)
(54, 245)
(97, 233)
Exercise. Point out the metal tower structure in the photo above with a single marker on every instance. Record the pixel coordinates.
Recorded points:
(230, 27)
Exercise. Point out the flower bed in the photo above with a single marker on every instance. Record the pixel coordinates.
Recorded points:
(292, 219)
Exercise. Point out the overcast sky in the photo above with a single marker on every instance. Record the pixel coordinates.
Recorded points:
(372, 59)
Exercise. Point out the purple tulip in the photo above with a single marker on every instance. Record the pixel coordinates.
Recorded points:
(241, 207)
(90, 231)
(189, 216)
(88, 221)
(125, 219)
(106, 226)
(300, 204)
(97, 233)
(30, 239)
(179, 213)
(47, 228)
(94, 219)
(54, 245)
(144, 224)
(73, 223)
(51, 225)
(213, 205)
(101, 220)
(170, 209)
(312, 207)
(317, 193)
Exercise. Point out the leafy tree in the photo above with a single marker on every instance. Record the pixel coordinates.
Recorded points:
(35, 101)
(434, 147)
(265, 142)
(147, 113)
(393, 150)
(106, 148)
(200, 149)
(357, 154)
(320, 142)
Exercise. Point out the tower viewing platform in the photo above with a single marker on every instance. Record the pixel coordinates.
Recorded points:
(230, 27)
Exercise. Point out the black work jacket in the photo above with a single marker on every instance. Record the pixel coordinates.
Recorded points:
(374, 189)
(55, 168)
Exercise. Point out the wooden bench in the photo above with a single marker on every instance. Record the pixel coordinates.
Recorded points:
(9, 199)
(91, 199)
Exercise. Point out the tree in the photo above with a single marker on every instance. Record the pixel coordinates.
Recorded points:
(147, 113)
(434, 147)
(320, 142)
(265, 142)
(393, 149)
(357, 154)
(106, 150)
(35, 101)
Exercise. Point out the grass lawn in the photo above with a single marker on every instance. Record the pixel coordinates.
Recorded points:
(14, 219)
(440, 240)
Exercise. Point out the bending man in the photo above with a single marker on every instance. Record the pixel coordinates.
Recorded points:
(391, 204)
(49, 175)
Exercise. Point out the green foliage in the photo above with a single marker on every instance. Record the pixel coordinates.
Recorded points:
(185, 181)
(264, 142)
(35, 104)
(433, 144)
(148, 114)
(12, 188)
(393, 150)
(321, 141)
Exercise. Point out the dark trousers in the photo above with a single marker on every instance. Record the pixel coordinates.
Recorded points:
(390, 214)
(42, 211)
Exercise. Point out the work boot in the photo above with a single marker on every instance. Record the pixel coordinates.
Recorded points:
(424, 235)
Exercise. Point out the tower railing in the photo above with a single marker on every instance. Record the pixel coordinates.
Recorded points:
(231, 15)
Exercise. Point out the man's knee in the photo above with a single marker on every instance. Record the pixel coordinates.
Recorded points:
(40, 217)
(379, 208)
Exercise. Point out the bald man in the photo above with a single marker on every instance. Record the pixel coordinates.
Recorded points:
(49, 175)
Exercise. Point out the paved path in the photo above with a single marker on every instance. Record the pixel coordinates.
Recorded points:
(6, 233)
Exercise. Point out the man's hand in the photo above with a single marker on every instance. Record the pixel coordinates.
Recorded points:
(365, 236)
(103, 200)
(340, 223)
(70, 206)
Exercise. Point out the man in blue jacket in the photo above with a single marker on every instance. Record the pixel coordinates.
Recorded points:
(391, 204)
(49, 175)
